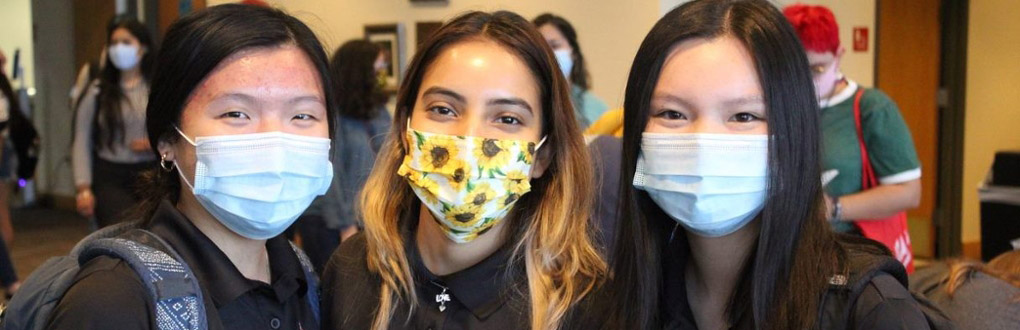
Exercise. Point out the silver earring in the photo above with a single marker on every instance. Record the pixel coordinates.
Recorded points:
(165, 164)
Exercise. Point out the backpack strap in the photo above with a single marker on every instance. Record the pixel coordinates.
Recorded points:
(311, 278)
(839, 301)
(175, 291)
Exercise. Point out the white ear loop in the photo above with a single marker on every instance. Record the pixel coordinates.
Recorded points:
(184, 136)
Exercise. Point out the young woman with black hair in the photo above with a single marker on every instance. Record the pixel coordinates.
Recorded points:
(240, 119)
(723, 223)
(476, 214)
(110, 149)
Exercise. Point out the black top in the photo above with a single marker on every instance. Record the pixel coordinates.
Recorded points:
(883, 304)
(480, 297)
(107, 294)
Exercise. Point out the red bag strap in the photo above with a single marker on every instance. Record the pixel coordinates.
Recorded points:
(868, 179)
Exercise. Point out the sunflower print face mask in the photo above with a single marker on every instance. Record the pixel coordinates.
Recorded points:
(468, 183)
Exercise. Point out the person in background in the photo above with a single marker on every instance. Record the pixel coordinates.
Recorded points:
(973, 294)
(362, 125)
(110, 149)
(8, 102)
(721, 213)
(477, 213)
(886, 136)
(241, 120)
(563, 40)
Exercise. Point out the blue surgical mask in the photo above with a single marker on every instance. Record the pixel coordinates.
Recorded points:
(712, 184)
(258, 184)
(123, 56)
(566, 60)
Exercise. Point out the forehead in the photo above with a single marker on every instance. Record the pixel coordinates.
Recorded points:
(268, 71)
(549, 31)
(819, 57)
(479, 64)
(709, 69)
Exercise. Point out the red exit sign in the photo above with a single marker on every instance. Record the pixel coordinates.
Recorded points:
(860, 39)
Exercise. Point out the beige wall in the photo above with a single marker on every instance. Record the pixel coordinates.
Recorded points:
(16, 24)
(993, 93)
(609, 30)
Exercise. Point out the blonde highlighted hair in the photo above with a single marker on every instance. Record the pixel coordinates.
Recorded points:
(1005, 267)
(548, 227)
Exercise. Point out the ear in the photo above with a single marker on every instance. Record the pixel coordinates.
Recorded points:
(839, 53)
(542, 160)
(166, 150)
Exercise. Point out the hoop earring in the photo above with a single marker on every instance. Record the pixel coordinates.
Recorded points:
(165, 164)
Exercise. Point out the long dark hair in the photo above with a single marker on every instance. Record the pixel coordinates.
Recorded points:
(579, 73)
(547, 228)
(194, 46)
(794, 245)
(108, 124)
(353, 69)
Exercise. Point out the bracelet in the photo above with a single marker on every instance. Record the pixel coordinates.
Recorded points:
(837, 210)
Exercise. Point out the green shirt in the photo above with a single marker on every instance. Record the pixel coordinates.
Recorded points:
(587, 107)
(886, 136)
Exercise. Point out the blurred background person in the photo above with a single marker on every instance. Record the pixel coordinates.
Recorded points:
(361, 127)
(563, 40)
(973, 294)
(8, 103)
(110, 148)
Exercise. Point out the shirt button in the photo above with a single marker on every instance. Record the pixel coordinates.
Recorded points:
(274, 323)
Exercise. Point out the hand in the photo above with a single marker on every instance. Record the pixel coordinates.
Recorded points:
(140, 145)
(86, 202)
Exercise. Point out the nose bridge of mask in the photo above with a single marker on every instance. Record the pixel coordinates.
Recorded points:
(537, 145)
(704, 154)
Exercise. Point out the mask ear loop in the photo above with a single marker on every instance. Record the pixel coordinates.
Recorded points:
(186, 138)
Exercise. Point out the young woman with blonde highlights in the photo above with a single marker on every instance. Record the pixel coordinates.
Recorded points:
(476, 214)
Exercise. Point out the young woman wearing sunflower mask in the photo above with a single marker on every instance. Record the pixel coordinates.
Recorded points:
(476, 213)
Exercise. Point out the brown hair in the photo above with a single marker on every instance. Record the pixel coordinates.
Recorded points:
(1005, 267)
(547, 227)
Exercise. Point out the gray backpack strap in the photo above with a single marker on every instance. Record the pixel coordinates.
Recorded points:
(171, 283)
(311, 278)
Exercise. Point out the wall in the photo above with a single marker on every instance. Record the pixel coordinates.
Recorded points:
(16, 24)
(609, 30)
(859, 66)
(992, 119)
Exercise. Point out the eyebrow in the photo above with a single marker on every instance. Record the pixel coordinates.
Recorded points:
(756, 99)
(249, 99)
(446, 92)
(513, 101)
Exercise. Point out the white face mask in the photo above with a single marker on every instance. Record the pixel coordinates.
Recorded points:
(712, 184)
(123, 56)
(566, 60)
(258, 184)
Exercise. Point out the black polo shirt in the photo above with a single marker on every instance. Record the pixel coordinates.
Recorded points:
(107, 294)
(483, 296)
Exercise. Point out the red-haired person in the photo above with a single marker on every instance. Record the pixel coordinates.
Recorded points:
(886, 136)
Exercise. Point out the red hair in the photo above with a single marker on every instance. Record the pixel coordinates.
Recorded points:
(259, 3)
(816, 27)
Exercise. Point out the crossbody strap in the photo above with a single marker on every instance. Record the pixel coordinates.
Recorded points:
(868, 179)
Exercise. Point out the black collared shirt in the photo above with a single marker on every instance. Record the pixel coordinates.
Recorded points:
(107, 294)
(483, 296)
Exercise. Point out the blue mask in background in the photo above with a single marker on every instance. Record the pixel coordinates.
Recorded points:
(712, 184)
(566, 60)
(258, 184)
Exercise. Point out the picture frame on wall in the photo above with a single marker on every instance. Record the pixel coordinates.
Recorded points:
(390, 37)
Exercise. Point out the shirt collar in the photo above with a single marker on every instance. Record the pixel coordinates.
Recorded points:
(845, 94)
(482, 288)
(220, 277)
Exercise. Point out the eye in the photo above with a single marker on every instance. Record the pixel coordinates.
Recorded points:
(442, 111)
(745, 117)
(671, 115)
(235, 114)
(305, 116)
(509, 120)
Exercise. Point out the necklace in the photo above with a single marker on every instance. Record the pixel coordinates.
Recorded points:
(442, 297)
